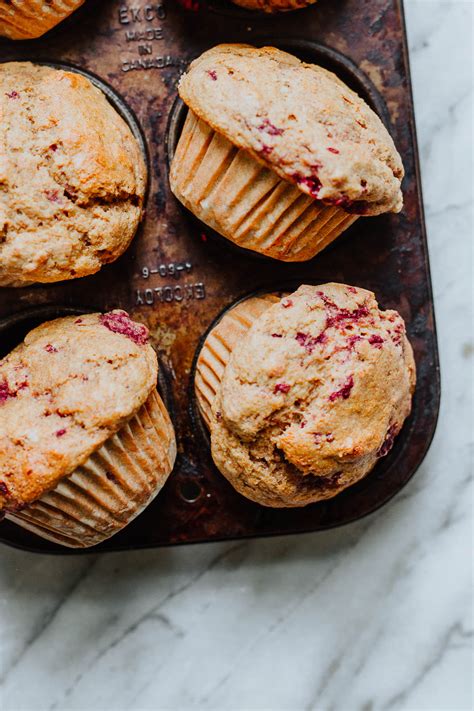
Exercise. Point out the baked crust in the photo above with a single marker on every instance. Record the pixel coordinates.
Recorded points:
(313, 394)
(64, 391)
(72, 176)
(301, 121)
(27, 19)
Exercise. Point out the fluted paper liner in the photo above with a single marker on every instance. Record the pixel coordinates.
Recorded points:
(112, 487)
(219, 344)
(32, 18)
(246, 202)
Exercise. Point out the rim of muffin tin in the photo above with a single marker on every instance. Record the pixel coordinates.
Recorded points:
(113, 97)
(15, 327)
(307, 50)
(383, 465)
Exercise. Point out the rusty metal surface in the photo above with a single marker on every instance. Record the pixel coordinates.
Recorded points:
(177, 277)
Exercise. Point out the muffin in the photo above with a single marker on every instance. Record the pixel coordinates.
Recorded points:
(72, 176)
(277, 155)
(27, 19)
(273, 5)
(307, 396)
(85, 440)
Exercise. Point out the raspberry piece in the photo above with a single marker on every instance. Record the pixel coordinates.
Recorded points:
(120, 322)
(282, 388)
(269, 128)
(5, 391)
(388, 441)
(345, 391)
(376, 341)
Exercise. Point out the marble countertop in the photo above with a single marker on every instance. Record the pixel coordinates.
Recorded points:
(375, 615)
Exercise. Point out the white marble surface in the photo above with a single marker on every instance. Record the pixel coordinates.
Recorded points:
(376, 615)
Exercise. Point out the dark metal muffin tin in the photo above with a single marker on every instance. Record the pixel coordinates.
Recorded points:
(177, 277)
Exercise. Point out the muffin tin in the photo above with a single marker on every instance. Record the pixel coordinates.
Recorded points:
(178, 277)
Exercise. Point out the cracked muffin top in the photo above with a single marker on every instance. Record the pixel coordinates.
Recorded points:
(273, 5)
(312, 396)
(67, 388)
(26, 19)
(301, 121)
(72, 176)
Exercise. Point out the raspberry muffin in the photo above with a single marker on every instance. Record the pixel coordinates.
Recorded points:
(85, 440)
(277, 155)
(306, 394)
(27, 19)
(273, 5)
(72, 176)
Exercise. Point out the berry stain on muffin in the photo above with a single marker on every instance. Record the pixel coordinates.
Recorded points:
(270, 128)
(281, 388)
(388, 441)
(312, 183)
(120, 322)
(6, 392)
(343, 392)
(376, 340)
(309, 342)
(355, 207)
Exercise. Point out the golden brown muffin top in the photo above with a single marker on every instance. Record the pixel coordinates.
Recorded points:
(26, 19)
(312, 395)
(72, 176)
(301, 121)
(67, 388)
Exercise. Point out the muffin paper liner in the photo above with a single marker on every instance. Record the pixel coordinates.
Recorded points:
(219, 344)
(36, 15)
(112, 487)
(249, 204)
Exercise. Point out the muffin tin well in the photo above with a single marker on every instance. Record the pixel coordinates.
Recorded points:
(178, 279)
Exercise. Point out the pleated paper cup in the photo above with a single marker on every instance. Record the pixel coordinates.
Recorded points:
(112, 487)
(219, 344)
(26, 19)
(246, 202)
